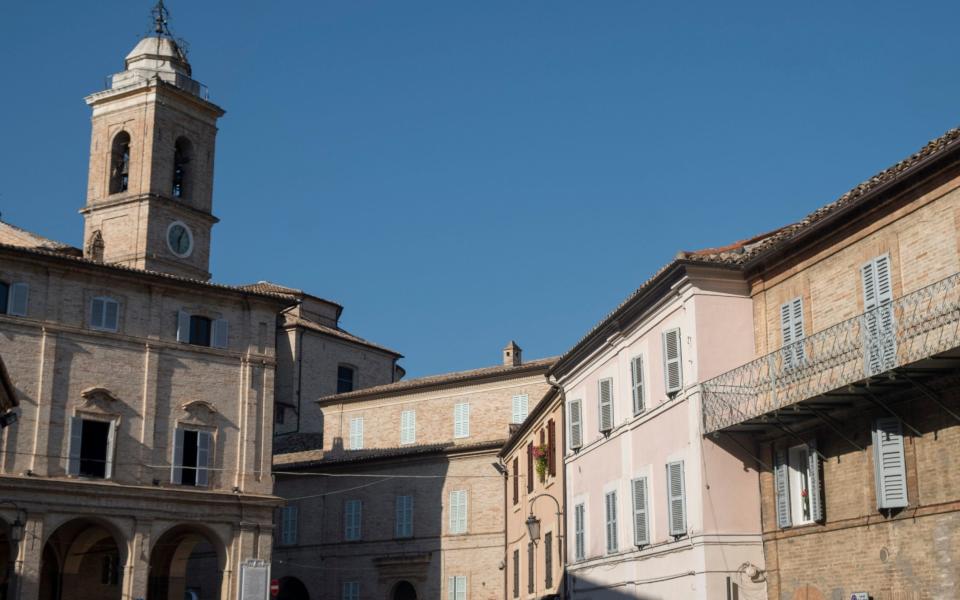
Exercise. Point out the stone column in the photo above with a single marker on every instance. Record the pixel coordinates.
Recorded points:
(29, 557)
(136, 573)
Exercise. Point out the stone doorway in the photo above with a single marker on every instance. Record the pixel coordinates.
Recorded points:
(292, 588)
(81, 561)
(404, 590)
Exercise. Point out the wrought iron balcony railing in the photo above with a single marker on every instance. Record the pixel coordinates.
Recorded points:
(913, 327)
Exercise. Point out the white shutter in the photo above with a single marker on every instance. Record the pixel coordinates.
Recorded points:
(677, 498)
(96, 313)
(672, 366)
(636, 376)
(641, 528)
(404, 517)
(18, 299)
(781, 477)
(204, 454)
(579, 550)
(814, 485)
(452, 588)
(458, 511)
(111, 444)
(461, 587)
(461, 420)
(520, 406)
(889, 466)
(219, 337)
(176, 467)
(576, 425)
(288, 525)
(606, 404)
(408, 427)
(356, 433)
(879, 327)
(76, 439)
(610, 502)
(183, 327)
(791, 329)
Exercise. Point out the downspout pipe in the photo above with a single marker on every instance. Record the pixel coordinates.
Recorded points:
(562, 538)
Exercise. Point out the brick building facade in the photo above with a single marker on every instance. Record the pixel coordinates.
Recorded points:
(850, 405)
(409, 501)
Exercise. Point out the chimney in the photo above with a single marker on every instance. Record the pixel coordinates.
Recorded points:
(512, 355)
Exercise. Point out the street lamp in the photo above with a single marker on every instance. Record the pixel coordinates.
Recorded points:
(533, 527)
(16, 536)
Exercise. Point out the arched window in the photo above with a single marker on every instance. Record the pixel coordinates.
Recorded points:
(120, 163)
(182, 153)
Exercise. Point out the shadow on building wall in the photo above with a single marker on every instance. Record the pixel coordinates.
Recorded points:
(386, 559)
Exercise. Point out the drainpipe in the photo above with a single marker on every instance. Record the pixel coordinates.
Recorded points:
(562, 537)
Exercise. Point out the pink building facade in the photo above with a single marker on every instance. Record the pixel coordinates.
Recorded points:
(654, 509)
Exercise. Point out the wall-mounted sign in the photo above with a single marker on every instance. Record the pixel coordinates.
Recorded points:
(859, 596)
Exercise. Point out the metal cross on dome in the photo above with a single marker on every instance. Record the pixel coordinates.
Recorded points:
(160, 14)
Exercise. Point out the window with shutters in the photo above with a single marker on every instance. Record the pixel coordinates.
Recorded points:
(636, 385)
(457, 587)
(672, 361)
(516, 573)
(408, 427)
(605, 410)
(458, 511)
(192, 457)
(461, 420)
(351, 590)
(797, 487)
(610, 511)
(14, 299)
(288, 525)
(91, 447)
(641, 520)
(579, 532)
(791, 333)
(520, 402)
(676, 499)
(575, 418)
(200, 330)
(104, 314)
(889, 466)
(404, 517)
(346, 379)
(879, 326)
(531, 567)
(356, 433)
(352, 515)
(548, 560)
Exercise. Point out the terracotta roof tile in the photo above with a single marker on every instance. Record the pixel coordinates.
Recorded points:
(319, 457)
(290, 320)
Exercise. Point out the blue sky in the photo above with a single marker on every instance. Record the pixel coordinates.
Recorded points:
(459, 174)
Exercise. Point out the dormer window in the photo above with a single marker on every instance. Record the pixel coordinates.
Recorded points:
(181, 157)
(120, 163)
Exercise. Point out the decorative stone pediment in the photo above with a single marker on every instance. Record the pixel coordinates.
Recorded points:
(99, 399)
(200, 411)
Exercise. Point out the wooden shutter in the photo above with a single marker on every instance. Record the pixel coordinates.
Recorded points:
(183, 327)
(530, 467)
(677, 498)
(288, 524)
(176, 469)
(452, 588)
(814, 484)
(461, 420)
(606, 404)
(220, 336)
(96, 313)
(641, 527)
(516, 573)
(636, 377)
(111, 444)
(610, 502)
(781, 478)
(579, 550)
(516, 479)
(791, 330)
(19, 299)
(520, 407)
(879, 327)
(76, 439)
(458, 511)
(204, 456)
(398, 515)
(548, 560)
(111, 314)
(531, 567)
(551, 448)
(889, 466)
(672, 365)
(356, 433)
(576, 425)
(461, 587)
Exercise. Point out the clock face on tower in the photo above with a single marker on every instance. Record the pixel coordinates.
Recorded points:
(179, 239)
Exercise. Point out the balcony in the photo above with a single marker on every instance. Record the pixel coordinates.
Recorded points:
(898, 343)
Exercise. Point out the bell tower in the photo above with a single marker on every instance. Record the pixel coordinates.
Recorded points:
(150, 182)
